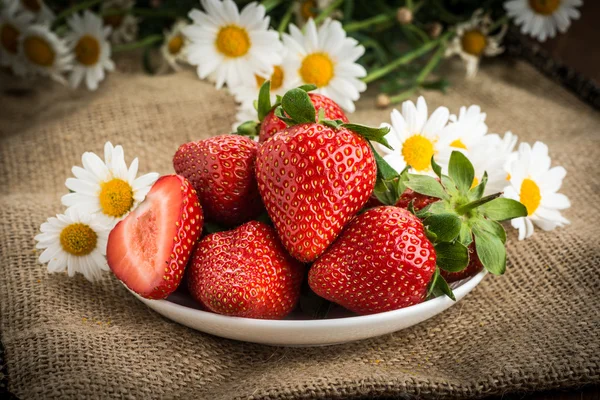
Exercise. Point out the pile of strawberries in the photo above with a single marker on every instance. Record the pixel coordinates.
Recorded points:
(247, 223)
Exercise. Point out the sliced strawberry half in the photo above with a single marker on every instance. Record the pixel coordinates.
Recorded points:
(150, 248)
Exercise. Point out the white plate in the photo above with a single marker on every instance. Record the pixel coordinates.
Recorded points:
(340, 327)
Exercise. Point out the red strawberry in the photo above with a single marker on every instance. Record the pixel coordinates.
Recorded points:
(270, 125)
(382, 261)
(245, 272)
(221, 170)
(150, 248)
(474, 267)
(313, 179)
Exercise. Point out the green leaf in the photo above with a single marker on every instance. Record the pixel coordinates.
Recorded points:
(476, 192)
(384, 170)
(502, 209)
(264, 100)
(332, 123)
(426, 185)
(279, 113)
(298, 106)
(436, 168)
(476, 203)
(465, 236)
(385, 192)
(452, 257)
(450, 186)
(461, 171)
(490, 226)
(248, 128)
(308, 87)
(438, 286)
(445, 226)
(371, 134)
(490, 250)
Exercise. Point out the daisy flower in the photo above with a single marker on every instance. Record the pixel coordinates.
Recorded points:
(468, 128)
(91, 49)
(174, 47)
(326, 58)
(35, 10)
(12, 25)
(124, 25)
(415, 137)
(233, 45)
(44, 52)
(280, 83)
(473, 41)
(541, 18)
(535, 184)
(307, 9)
(107, 187)
(76, 242)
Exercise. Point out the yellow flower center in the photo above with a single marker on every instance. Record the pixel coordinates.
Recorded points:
(459, 144)
(475, 182)
(32, 5)
(544, 7)
(306, 9)
(417, 151)
(114, 20)
(473, 42)
(116, 197)
(9, 37)
(87, 50)
(78, 239)
(530, 195)
(508, 177)
(38, 51)
(317, 68)
(276, 78)
(233, 41)
(175, 44)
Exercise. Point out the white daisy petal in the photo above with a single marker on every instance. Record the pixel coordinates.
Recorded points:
(541, 19)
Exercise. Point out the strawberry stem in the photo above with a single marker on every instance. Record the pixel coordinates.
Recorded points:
(476, 203)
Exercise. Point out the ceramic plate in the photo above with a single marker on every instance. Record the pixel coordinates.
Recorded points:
(298, 329)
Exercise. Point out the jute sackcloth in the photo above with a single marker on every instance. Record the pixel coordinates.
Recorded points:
(537, 327)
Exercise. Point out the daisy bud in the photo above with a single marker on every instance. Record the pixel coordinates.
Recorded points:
(383, 100)
(404, 15)
(434, 30)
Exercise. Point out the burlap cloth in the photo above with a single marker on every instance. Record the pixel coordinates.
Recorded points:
(535, 328)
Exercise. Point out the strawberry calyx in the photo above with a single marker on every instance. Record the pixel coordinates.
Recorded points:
(297, 108)
(462, 215)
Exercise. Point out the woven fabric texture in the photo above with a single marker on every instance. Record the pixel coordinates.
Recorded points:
(537, 327)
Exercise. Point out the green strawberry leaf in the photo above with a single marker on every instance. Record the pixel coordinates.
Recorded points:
(436, 168)
(465, 236)
(248, 128)
(264, 100)
(371, 134)
(298, 106)
(452, 257)
(445, 226)
(279, 113)
(490, 250)
(461, 171)
(384, 170)
(465, 208)
(450, 186)
(411, 209)
(426, 185)
(332, 123)
(502, 209)
(430, 235)
(309, 87)
(438, 286)
(490, 226)
(476, 192)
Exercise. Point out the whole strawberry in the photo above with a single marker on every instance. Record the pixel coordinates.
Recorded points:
(314, 177)
(221, 169)
(245, 272)
(271, 124)
(382, 261)
(149, 249)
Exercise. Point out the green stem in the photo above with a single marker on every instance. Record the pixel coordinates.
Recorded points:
(270, 4)
(400, 97)
(285, 21)
(417, 31)
(71, 10)
(147, 41)
(431, 64)
(404, 59)
(326, 12)
(499, 23)
(358, 25)
(474, 204)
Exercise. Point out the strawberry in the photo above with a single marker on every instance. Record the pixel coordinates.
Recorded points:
(245, 272)
(314, 177)
(149, 249)
(419, 201)
(473, 267)
(382, 261)
(221, 169)
(271, 124)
